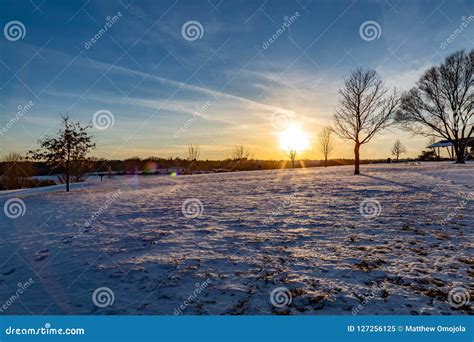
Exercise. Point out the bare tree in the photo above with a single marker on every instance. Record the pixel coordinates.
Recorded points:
(192, 155)
(398, 149)
(442, 103)
(69, 146)
(193, 152)
(326, 145)
(240, 153)
(292, 155)
(365, 108)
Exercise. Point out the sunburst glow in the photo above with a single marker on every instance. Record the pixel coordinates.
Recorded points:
(294, 138)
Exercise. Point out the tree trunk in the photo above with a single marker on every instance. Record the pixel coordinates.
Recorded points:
(357, 159)
(68, 171)
(325, 161)
(460, 158)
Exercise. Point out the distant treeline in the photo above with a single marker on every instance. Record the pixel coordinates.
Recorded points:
(22, 173)
(151, 165)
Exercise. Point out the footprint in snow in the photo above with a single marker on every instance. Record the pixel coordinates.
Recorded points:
(43, 254)
(41, 257)
(9, 272)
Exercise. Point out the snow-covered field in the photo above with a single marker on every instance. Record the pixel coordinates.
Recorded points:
(267, 242)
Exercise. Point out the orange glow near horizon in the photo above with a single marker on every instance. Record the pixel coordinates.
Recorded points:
(294, 138)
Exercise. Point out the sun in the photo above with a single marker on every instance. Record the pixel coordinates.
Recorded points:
(294, 138)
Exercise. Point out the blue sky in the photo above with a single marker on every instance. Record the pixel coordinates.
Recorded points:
(165, 92)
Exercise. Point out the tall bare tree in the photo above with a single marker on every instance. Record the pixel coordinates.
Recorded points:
(240, 152)
(365, 108)
(442, 103)
(326, 145)
(398, 149)
(69, 146)
(292, 155)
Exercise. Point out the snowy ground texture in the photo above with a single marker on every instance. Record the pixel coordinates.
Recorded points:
(268, 242)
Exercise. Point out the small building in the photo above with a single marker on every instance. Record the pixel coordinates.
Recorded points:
(469, 142)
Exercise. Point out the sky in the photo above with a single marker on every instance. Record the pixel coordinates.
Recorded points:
(153, 77)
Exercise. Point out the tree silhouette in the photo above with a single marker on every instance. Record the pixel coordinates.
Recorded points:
(398, 149)
(326, 145)
(193, 152)
(240, 153)
(192, 155)
(365, 108)
(442, 103)
(69, 146)
(292, 154)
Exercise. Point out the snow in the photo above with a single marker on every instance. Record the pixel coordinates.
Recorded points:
(300, 230)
